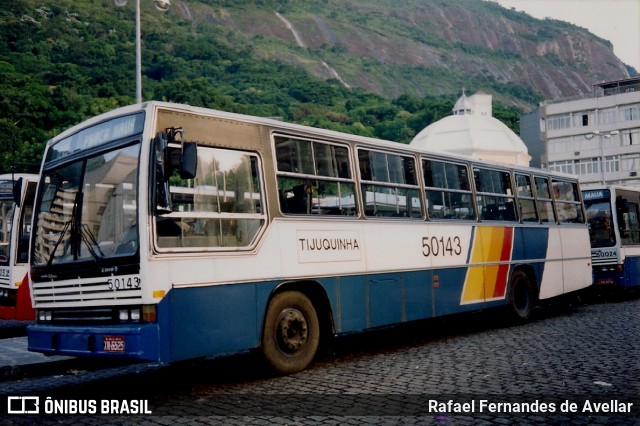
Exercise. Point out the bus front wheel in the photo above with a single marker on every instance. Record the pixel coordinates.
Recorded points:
(291, 333)
(521, 299)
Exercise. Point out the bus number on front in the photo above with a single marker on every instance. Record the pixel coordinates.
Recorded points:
(441, 246)
(123, 283)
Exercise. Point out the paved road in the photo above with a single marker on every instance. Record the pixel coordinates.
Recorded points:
(579, 357)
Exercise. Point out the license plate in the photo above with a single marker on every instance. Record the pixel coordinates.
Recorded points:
(605, 281)
(113, 343)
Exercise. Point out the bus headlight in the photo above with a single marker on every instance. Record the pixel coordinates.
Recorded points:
(134, 314)
(44, 315)
(123, 314)
(129, 314)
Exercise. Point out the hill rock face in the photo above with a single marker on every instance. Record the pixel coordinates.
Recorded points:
(420, 46)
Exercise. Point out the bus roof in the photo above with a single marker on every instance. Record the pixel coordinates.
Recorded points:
(153, 106)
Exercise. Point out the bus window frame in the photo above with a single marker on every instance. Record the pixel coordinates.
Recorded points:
(575, 201)
(211, 215)
(307, 180)
(532, 197)
(508, 198)
(472, 216)
(389, 183)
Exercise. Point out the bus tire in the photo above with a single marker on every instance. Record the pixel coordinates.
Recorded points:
(521, 295)
(291, 333)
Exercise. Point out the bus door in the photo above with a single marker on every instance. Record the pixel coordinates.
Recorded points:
(629, 230)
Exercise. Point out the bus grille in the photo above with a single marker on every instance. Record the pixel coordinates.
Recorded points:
(84, 292)
(96, 315)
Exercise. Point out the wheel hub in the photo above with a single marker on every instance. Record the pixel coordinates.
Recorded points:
(292, 331)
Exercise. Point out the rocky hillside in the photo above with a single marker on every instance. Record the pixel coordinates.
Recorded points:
(418, 46)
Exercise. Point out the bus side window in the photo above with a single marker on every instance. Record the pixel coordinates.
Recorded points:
(221, 207)
(567, 202)
(448, 190)
(628, 222)
(494, 194)
(526, 200)
(544, 200)
(389, 185)
(314, 178)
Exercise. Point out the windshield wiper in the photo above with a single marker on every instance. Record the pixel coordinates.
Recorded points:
(91, 243)
(71, 223)
(60, 238)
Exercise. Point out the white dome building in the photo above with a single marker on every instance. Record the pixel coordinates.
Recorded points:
(472, 131)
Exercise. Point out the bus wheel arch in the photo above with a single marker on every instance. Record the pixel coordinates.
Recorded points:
(523, 294)
(295, 318)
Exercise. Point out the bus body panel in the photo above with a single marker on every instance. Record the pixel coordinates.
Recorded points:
(211, 299)
(575, 271)
(613, 213)
(15, 299)
(631, 268)
(223, 318)
(219, 319)
(140, 341)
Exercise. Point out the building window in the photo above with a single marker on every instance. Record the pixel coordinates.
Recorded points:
(582, 119)
(607, 116)
(559, 122)
(630, 113)
(631, 137)
(562, 166)
(587, 166)
(612, 163)
(630, 162)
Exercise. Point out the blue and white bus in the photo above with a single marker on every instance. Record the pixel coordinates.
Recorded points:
(166, 232)
(17, 193)
(614, 230)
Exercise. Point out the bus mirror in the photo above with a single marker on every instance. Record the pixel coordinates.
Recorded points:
(17, 192)
(162, 199)
(189, 160)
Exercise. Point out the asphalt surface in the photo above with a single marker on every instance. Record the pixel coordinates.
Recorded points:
(583, 352)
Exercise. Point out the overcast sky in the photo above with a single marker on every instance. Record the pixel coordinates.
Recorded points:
(615, 20)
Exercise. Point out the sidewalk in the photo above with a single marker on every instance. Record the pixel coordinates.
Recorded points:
(15, 359)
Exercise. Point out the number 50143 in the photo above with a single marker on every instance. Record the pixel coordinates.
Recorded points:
(441, 246)
(123, 283)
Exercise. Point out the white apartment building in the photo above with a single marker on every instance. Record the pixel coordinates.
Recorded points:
(596, 136)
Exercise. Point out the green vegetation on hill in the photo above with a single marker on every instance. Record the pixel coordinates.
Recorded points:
(64, 61)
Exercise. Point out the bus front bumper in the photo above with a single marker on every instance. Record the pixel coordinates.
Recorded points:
(139, 341)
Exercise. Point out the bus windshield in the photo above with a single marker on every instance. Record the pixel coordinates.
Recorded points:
(87, 209)
(600, 218)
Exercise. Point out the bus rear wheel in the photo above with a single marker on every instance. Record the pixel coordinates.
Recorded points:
(291, 333)
(521, 297)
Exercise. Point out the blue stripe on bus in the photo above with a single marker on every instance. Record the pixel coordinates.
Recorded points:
(631, 271)
(226, 319)
(530, 243)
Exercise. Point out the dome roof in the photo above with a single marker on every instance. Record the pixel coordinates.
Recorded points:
(463, 106)
(470, 134)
